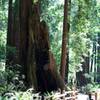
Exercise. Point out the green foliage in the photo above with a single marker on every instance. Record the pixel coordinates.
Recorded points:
(92, 87)
(27, 95)
(84, 24)
(4, 86)
(2, 44)
(3, 28)
(11, 80)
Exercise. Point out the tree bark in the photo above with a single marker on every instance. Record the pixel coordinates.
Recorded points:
(18, 37)
(64, 40)
(46, 73)
(31, 38)
(10, 42)
(98, 59)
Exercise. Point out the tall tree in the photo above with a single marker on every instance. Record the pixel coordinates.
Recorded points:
(10, 31)
(31, 38)
(18, 36)
(46, 73)
(98, 59)
(64, 40)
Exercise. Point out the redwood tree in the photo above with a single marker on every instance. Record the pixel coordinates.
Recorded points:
(64, 40)
(18, 35)
(31, 39)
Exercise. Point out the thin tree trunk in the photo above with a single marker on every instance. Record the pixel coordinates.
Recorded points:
(98, 59)
(10, 20)
(10, 43)
(64, 40)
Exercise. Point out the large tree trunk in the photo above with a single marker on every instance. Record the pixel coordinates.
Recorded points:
(18, 36)
(31, 38)
(24, 36)
(47, 76)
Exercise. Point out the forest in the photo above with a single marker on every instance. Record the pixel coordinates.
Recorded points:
(49, 46)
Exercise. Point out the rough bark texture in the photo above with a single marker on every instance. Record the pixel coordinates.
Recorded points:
(47, 76)
(9, 21)
(18, 37)
(31, 38)
(49, 79)
(64, 40)
(10, 43)
(67, 58)
(24, 36)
